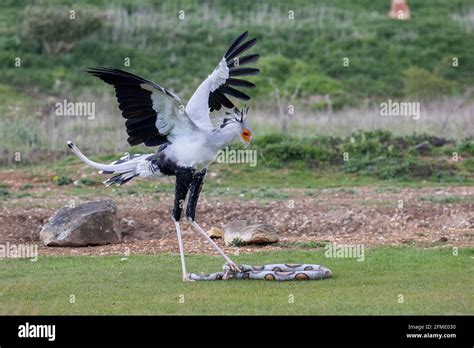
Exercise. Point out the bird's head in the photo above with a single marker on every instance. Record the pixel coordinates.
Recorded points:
(236, 122)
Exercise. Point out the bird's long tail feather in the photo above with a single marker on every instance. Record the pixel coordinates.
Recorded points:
(125, 167)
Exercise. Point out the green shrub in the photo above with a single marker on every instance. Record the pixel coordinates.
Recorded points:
(87, 182)
(373, 143)
(466, 146)
(237, 242)
(468, 164)
(279, 151)
(62, 180)
(404, 169)
(441, 199)
(26, 187)
(374, 153)
(57, 28)
(296, 78)
(420, 83)
(3, 191)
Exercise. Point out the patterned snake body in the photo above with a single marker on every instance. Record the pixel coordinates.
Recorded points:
(278, 272)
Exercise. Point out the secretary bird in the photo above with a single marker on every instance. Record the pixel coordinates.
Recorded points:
(188, 142)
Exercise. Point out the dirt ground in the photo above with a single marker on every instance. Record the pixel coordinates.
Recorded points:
(364, 215)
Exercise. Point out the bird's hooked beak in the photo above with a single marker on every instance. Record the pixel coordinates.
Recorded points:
(246, 136)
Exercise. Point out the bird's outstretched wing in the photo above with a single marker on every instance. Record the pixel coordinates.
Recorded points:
(211, 94)
(152, 113)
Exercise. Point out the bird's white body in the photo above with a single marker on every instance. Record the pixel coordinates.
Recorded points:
(192, 151)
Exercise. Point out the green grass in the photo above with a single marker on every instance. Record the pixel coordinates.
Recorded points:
(302, 245)
(447, 199)
(431, 281)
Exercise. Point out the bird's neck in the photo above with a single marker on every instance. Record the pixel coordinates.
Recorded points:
(220, 138)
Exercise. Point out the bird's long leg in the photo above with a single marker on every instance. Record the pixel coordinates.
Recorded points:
(181, 250)
(231, 263)
(196, 186)
(184, 178)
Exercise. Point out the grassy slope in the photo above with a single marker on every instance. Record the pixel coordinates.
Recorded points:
(360, 30)
(380, 50)
(431, 281)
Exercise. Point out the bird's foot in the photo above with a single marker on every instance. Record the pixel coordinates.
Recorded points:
(232, 266)
(187, 278)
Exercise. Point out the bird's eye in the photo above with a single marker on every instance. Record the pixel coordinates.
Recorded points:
(246, 133)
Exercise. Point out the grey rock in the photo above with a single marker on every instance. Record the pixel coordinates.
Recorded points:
(91, 223)
(248, 232)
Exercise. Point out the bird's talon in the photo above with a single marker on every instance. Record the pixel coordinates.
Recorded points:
(234, 268)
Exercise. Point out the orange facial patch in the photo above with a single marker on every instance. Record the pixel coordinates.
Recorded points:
(246, 135)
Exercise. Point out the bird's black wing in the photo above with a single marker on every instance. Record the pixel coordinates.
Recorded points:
(149, 109)
(234, 60)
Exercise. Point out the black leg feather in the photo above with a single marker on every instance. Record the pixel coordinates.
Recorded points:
(196, 186)
(184, 177)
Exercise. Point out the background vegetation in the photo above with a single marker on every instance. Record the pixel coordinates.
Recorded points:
(181, 52)
(302, 65)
